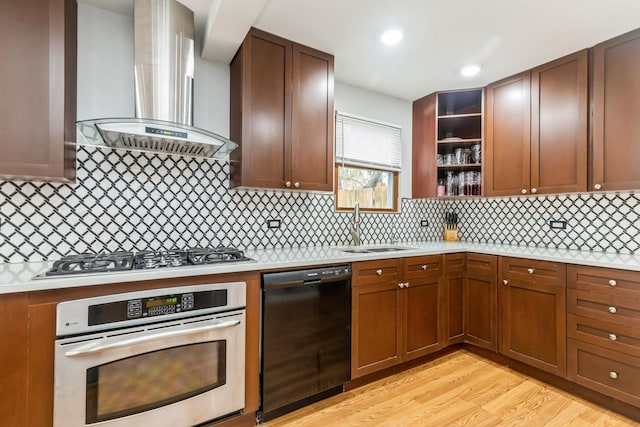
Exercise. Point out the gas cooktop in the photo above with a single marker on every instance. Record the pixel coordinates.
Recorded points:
(88, 263)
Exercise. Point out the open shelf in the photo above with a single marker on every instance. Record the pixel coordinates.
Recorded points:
(459, 136)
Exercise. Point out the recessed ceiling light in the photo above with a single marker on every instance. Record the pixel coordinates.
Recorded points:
(470, 70)
(390, 37)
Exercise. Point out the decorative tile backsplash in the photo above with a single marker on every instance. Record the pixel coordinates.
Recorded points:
(605, 222)
(127, 200)
(134, 201)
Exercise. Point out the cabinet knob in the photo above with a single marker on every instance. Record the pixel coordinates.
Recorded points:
(597, 187)
(534, 190)
(424, 267)
(296, 184)
(401, 285)
(287, 184)
(530, 270)
(379, 272)
(612, 282)
(613, 337)
(505, 282)
(613, 374)
(613, 310)
(524, 191)
(406, 284)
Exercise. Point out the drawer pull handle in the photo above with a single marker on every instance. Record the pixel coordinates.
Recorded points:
(505, 282)
(612, 282)
(424, 267)
(613, 337)
(401, 285)
(597, 186)
(379, 272)
(613, 374)
(530, 270)
(613, 310)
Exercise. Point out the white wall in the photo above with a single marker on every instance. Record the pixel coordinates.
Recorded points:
(105, 73)
(373, 105)
(105, 84)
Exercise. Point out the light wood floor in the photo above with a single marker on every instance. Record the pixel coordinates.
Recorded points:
(460, 389)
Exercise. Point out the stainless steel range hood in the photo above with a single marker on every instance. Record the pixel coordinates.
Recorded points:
(164, 74)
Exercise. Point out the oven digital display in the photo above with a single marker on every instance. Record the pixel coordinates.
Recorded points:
(161, 302)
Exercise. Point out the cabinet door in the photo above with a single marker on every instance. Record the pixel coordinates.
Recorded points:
(423, 152)
(376, 316)
(533, 313)
(312, 120)
(260, 111)
(481, 301)
(559, 102)
(14, 318)
(452, 299)
(38, 87)
(508, 140)
(616, 108)
(420, 306)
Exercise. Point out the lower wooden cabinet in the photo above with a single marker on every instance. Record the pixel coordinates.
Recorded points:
(452, 314)
(481, 301)
(28, 322)
(533, 313)
(395, 312)
(607, 371)
(603, 325)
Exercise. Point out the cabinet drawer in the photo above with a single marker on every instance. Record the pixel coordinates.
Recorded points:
(607, 281)
(480, 265)
(454, 263)
(625, 339)
(603, 306)
(375, 272)
(606, 371)
(422, 266)
(534, 272)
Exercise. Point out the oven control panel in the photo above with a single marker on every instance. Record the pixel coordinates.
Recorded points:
(154, 306)
(149, 306)
(158, 306)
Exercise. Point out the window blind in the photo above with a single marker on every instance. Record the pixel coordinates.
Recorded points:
(367, 143)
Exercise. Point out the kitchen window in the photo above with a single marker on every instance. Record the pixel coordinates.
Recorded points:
(367, 163)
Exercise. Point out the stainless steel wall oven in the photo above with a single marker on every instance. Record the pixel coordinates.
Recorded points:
(163, 357)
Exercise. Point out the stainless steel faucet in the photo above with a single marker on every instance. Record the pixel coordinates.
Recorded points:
(354, 224)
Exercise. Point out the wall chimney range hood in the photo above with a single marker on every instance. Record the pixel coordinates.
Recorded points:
(164, 70)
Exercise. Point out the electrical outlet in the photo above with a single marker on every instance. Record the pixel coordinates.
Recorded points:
(424, 223)
(273, 223)
(558, 224)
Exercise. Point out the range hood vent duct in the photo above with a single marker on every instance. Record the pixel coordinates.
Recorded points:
(164, 74)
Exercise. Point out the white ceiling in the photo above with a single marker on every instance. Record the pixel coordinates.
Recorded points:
(504, 36)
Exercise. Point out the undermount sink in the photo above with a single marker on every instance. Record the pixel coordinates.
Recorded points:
(374, 250)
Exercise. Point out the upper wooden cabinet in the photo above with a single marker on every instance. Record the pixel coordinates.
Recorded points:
(281, 115)
(38, 86)
(507, 155)
(559, 113)
(423, 148)
(536, 129)
(616, 108)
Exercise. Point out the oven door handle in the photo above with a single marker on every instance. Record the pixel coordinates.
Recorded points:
(97, 347)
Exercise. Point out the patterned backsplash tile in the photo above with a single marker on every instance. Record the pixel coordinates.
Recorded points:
(127, 200)
(135, 201)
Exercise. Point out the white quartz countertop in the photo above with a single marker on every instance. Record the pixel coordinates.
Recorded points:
(19, 277)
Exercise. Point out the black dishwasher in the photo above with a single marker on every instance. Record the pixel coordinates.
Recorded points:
(306, 337)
